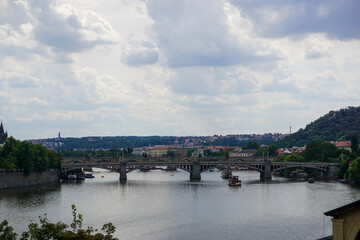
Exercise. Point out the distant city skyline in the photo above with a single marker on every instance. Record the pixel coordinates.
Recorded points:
(175, 68)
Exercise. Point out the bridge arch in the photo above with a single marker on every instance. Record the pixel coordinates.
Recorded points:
(185, 168)
(250, 167)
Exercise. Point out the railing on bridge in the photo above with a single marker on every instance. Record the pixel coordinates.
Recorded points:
(66, 160)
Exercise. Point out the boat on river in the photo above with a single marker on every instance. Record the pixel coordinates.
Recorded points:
(226, 173)
(234, 181)
(89, 175)
(311, 180)
(71, 176)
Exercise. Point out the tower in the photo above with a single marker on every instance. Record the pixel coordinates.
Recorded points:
(3, 134)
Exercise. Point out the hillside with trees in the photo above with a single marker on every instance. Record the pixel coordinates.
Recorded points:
(335, 126)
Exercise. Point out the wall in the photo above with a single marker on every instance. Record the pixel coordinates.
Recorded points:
(14, 180)
(346, 226)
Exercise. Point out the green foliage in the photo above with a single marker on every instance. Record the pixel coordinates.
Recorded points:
(355, 144)
(27, 157)
(59, 231)
(221, 153)
(354, 171)
(113, 152)
(251, 145)
(114, 142)
(6, 231)
(316, 151)
(342, 172)
(190, 152)
(320, 151)
(266, 151)
(280, 158)
(336, 125)
(170, 153)
(294, 158)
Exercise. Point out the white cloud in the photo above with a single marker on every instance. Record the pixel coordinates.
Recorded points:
(317, 47)
(140, 53)
(61, 27)
(282, 18)
(190, 34)
(17, 80)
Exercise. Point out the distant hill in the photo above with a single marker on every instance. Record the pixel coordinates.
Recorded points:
(334, 126)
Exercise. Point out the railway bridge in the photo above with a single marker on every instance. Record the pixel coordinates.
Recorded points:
(196, 167)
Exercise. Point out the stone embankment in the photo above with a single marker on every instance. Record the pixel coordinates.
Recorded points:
(15, 180)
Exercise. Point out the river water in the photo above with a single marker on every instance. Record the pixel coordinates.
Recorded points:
(157, 205)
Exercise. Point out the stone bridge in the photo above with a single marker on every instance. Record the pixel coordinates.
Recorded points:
(196, 167)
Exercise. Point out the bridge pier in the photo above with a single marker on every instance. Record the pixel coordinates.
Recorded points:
(266, 174)
(195, 172)
(331, 172)
(122, 171)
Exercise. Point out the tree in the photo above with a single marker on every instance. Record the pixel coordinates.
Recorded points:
(251, 145)
(320, 151)
(354, 171)
(170, 153)
(47, 230)
(294, 158)
(354, 144)
(6, 231)
(189, 153)
(342, 172)
(27, 156)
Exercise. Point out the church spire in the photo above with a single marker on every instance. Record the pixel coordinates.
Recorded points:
(3, 135)
(2, 128)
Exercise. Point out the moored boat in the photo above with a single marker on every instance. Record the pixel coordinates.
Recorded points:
(311, 180)
(234, 181)
(226, 173)
(71, 176)
(89, 175)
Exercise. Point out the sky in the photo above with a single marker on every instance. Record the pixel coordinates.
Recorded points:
(175, 67)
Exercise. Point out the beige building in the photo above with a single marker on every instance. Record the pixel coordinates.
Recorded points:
(158, 151)
(181, 152)
(245, 153)
(345, 222)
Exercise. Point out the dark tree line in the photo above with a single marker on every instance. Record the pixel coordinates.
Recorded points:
(27, 157)
(113, 152)
(114, 142)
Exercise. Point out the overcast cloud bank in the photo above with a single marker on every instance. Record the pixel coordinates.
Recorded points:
(175, 67)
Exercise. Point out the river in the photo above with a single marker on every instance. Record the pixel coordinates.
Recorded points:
(157, 205)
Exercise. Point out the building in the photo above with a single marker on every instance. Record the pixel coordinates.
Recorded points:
(345, 222)
(181, 151)
(242, 153)
(343, 144)
(3, 134)
(159, 151)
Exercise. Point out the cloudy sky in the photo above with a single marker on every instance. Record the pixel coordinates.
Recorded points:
(175, 67)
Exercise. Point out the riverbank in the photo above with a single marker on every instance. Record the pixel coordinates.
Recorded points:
(16, 180)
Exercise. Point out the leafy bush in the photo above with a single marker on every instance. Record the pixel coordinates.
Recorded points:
(59, 231)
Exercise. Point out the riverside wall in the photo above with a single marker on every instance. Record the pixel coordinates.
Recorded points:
(15, 180)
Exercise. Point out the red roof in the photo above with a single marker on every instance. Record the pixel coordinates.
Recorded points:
(342, 144)
(160, 148)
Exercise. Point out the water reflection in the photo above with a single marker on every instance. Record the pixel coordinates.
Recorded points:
(34, 195)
